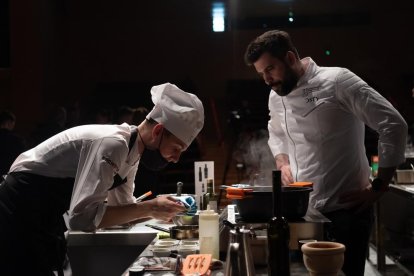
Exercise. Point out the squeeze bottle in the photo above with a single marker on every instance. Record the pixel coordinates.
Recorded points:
(208, 222)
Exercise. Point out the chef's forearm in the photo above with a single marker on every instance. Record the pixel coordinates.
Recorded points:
(281, 159)
(116, 215)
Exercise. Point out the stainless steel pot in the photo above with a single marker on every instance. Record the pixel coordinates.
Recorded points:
(179, 232)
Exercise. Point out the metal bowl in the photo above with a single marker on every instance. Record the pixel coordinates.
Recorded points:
(179, 232)
(184, 219)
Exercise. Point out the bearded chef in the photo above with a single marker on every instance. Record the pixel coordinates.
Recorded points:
(316, 129)
(77, 170)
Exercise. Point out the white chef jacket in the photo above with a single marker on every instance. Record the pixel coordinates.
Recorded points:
(320, 125)
(92, 154)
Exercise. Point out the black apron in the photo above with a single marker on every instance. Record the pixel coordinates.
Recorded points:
(32, 227)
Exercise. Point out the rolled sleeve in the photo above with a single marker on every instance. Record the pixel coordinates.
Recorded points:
(98, 164)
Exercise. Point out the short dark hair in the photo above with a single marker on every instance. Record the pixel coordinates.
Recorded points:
(151, 121)
(275, 42)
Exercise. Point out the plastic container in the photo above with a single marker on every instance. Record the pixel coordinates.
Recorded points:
(209, 233)
(405, 176)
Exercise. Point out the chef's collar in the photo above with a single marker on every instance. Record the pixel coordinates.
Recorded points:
(133, 155)
(309, 71)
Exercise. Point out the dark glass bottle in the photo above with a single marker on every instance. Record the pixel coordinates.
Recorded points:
(205, 197)
(212, 196)
(278, 234)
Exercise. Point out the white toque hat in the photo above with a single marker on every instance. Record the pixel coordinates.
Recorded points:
(180, 112)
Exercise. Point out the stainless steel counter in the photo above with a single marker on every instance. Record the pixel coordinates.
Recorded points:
(394, 227)
(107, 252)
(112, 251)
(311, 226)
(296, 266)
(404, 189)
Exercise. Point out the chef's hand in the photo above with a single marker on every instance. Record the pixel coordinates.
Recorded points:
(287, 177)
(189, 203)
(165, 208)
(361, 200)
(282, 163)
(367, 197)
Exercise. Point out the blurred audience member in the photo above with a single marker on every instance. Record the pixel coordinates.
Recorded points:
(139, 114)
(54, 123)
(73, 114)
(125, 114)
(103, 115)
(11, 145)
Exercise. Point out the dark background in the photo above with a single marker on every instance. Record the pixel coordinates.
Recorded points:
(112, 52)
(93, 54)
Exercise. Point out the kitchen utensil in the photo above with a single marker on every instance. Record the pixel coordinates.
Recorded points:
(184, 219)
(255, 204)
(301, 184)
(161, 252)
(179, 188)
(178, 232)
(185, 251)
(240, 191)
(239, 261)
(197, 264)
(142, 197)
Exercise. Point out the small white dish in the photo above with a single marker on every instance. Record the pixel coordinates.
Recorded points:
(161, 252)
(189, 242)
(184, 252)
(166, 243)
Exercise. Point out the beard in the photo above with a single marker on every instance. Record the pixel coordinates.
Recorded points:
(285, 86)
